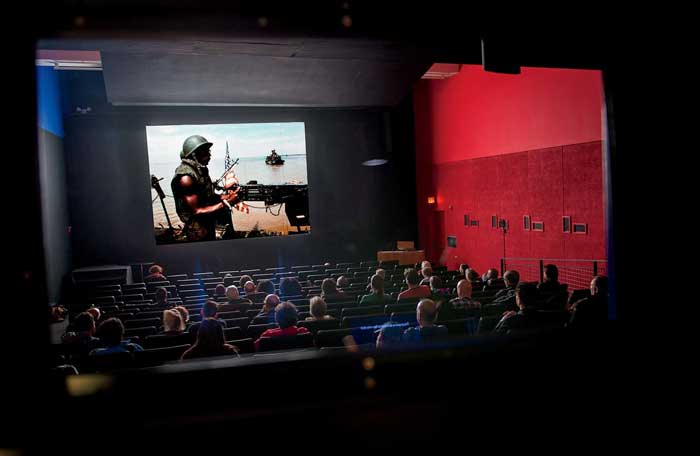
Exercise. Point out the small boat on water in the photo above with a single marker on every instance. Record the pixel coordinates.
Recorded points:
(274, 159)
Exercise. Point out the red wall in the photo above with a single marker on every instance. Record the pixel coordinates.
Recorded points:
(509, 145)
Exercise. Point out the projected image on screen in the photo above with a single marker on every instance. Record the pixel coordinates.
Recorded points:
(231, 181)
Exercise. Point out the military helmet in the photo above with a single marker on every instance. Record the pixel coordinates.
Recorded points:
(193, 143)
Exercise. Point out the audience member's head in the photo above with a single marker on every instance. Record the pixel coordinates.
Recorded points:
(155, 269)
(328, 287)
(220, 290)
(463, 269)
(318, 308)
(380, 272)
(232, 293)
(249, 287)
(511, 278)
(209, 309)
(472, 275)
(172, 321)
(271, 301)
(551, 273)
(412, 277)
(290, 286)
(425, 264)
(210, 335)
(84, 323)
(464, 288)
(526, 295)
(112, 331)
(435, 283)
(95, 312)
(265, 286)
(599, 286)
(427, 272)
(184, 314)
(286, 314)
(161, 295)
(491, 274)
(377, 284)
(342, 282)
(426, 312)
(245, 279)
(389, 335)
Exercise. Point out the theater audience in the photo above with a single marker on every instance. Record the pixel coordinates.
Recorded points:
(457, 307)
(330, 291)
(415, 290)
(427, 331)
(318, 309)
(475, 279)
(377, 296)
(210, 341)
(381, 273)
(155, 274)
(491, 274)
(265, 286)
(220, 291)
(550, 284)
(96, 314)
(111, 334)
(591, 313)
(268, 311)
(210, 309)
(462, 271)
(286, 316)
(245, 279)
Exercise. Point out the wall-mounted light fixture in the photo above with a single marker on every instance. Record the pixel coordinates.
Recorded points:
(431, 200)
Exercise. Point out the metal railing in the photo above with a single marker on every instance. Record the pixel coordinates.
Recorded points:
(576, 273)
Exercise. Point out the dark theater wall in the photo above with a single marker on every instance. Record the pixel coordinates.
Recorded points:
(354, 210)
(491, 144)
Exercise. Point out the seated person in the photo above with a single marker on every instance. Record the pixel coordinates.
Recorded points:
(235, 302)
(268, 311)
(155, 274)
(96, 314)
(381, 273)
(457, 307)
(475, 279)
(507, 295)
(527, 318)
(389, 335)
(591, 313)
(437, 289)
(342, 282)
(210, 309)
(252, 294)
(161, 297)
(427, 273)
(286, 316)
(290, 286)
(245, 279)
(173, 324)
(318, 309)
(219, 291)
(415, 290)
(427, 331)
(551, 280)
(184, 314)
(210, 341)
(330, 291)
(111, 334)
(80, 338)
(377, 297)
(490, 279)
(462, 271)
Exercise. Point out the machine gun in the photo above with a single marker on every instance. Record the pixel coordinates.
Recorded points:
(294, 196)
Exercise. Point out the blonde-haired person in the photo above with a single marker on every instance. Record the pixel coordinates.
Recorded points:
(155, 274)
(235, 302)
(318, 309)
(184, 314)
(172, 322)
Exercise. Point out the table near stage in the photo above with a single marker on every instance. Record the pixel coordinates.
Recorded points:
(405, 257)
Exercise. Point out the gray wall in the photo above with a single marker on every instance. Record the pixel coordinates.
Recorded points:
(54, 211)
(354, 210)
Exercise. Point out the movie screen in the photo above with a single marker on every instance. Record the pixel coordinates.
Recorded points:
(229, 181)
